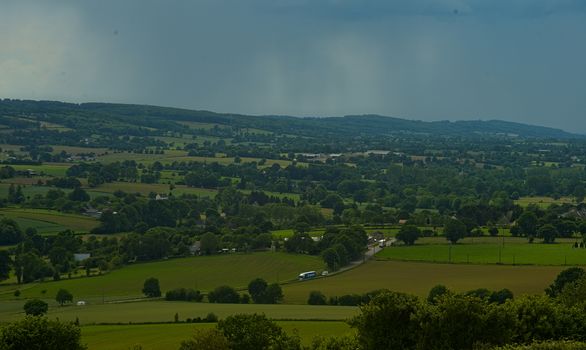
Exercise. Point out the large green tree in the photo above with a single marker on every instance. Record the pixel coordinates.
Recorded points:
(5, 263)
(29, 266)
(387, 322)
(151, 288)
(255, 332)
(224, 295)
(39, 333)
(409, 234)
(35, 307)
(273, 294)
(63, 296)
(257, 289)
(454, 230)
(574, 293)
(564, 278)
(316, 298)
(61, 258)
(331, 258)
(527, 223)
(548, 233)
(10, 233)
(209, 243)
(436, 292)
(206, 339)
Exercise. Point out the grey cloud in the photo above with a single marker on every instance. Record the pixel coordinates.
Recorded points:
(351, 9)
(513, 60)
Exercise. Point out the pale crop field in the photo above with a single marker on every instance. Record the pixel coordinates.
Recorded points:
(418, 278)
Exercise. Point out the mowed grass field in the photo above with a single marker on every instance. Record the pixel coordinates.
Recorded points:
(489, 250)
(202, 273)
(288, 233)
(170, 336)
(164, 311)
(418, 278)
(49, 221)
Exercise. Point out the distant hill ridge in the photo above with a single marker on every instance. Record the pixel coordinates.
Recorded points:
(372, 125)
(379, 123)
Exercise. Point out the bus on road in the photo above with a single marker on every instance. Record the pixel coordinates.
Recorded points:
(307, 275)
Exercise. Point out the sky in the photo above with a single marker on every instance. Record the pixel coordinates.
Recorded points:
(515, 60)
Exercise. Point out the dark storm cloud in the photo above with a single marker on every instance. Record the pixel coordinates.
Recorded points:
(449, 59)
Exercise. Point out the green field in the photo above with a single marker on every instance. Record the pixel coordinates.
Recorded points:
(543, 202)
(389, 231)
(7, 147)
(202, 273)
(24, 181)
(209, 126)
(187, 139)
(30, 188)
(76, 150)
(228, 160)
(203, 125)
(489, 250)
(149, 336)
(293, 196)
(139, 157)
(42, 227)
(49, 221)
(287, 233)
(164, 311)
(145, 189)
(53, 169)
(418, 278)
(27, 190)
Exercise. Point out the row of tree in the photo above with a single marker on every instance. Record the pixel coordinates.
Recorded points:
(259, 291)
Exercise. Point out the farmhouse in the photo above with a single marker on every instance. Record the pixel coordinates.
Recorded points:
(81, 256)
(377, 152)
(161, 197)
(310, 155)
(94, 213)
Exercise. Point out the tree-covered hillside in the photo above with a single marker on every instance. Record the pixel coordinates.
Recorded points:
(139, 119)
